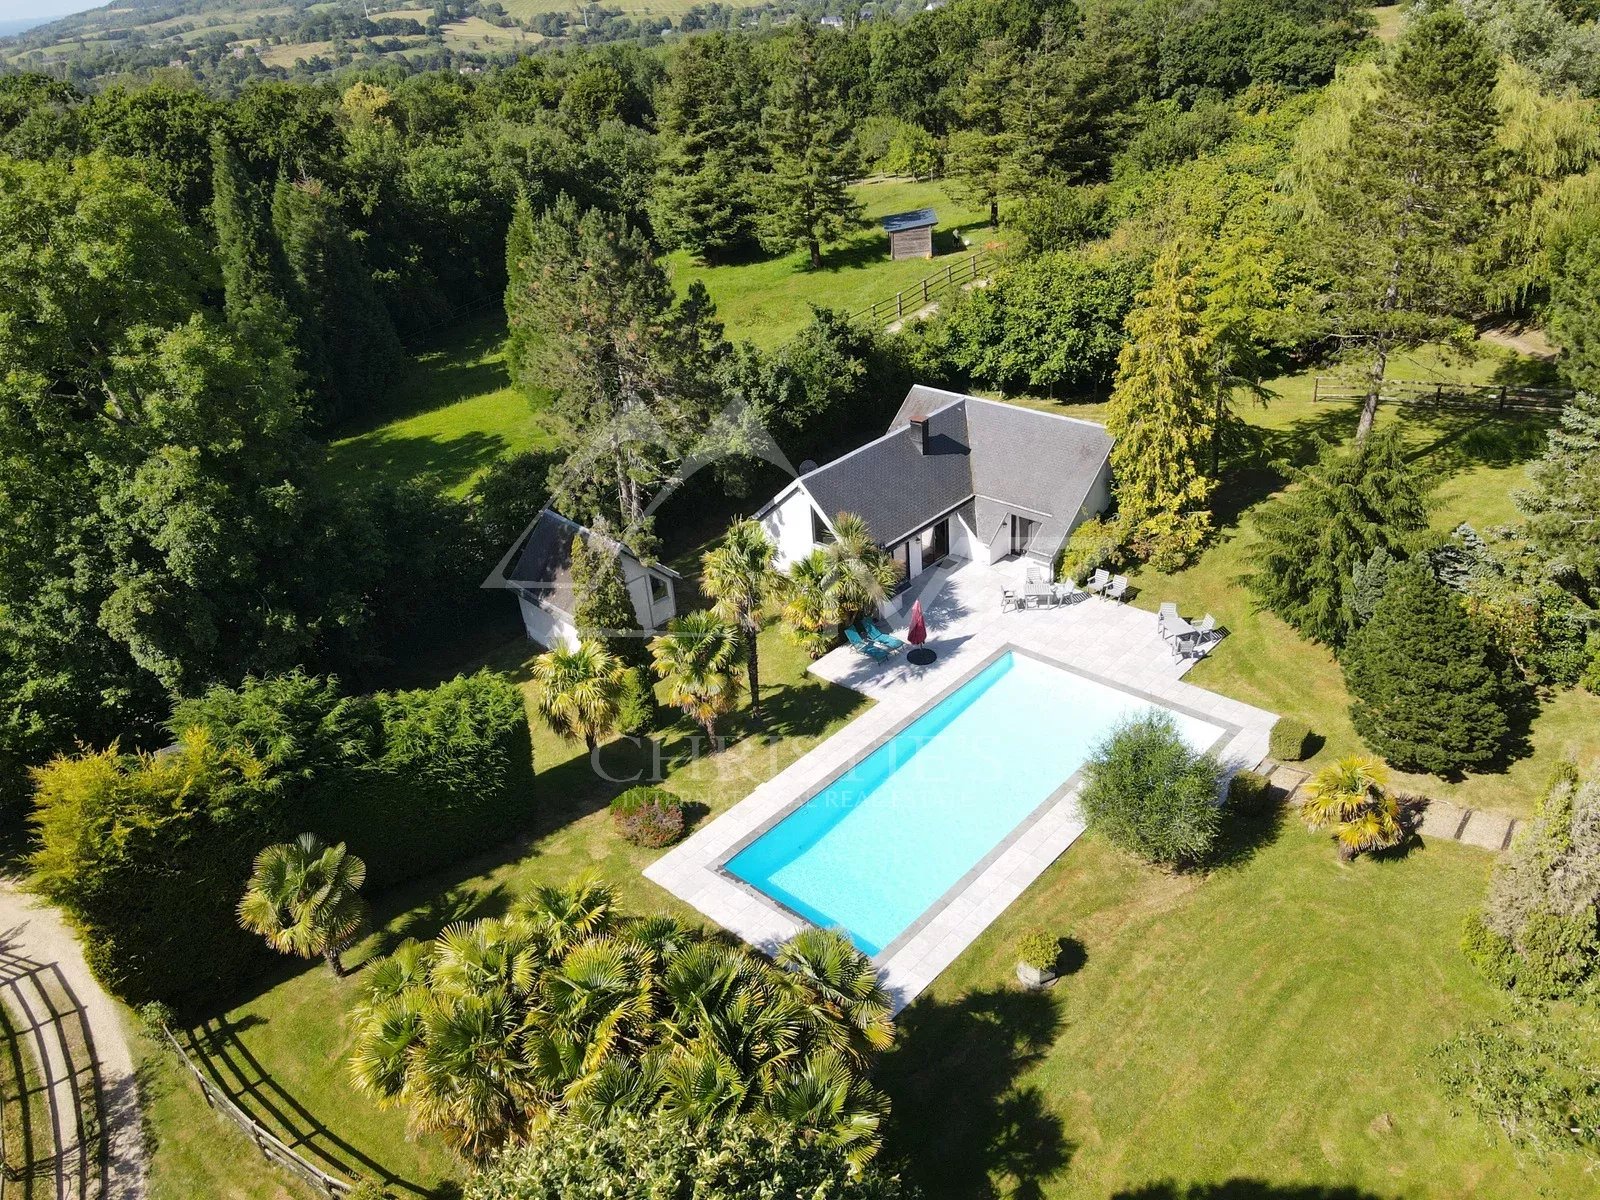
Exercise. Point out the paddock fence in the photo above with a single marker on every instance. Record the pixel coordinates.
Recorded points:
(959, 272)
(271, 1147)
(1501, 397)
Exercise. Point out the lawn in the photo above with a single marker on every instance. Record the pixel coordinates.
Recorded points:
(1271, 1022)
(767, 301)
(1474, 459)
(454, 414)
(288, 1043)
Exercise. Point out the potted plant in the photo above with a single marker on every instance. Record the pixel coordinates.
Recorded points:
(1036, 960)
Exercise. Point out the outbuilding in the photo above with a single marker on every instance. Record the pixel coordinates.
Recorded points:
(911, 233)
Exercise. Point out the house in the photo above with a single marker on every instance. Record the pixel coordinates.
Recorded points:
(540, 571)
(955, 477)
(910, 233)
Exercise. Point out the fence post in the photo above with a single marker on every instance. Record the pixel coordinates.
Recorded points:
(1316, 387)
(1500, 406)
(924, 291)
(949, 273)
(899, 304)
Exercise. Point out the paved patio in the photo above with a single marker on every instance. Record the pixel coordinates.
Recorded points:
(1115, 643)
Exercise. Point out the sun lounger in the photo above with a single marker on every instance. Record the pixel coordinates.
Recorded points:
(870, 649)
(881, 636)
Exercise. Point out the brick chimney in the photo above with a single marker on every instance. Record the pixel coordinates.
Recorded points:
(919, 426)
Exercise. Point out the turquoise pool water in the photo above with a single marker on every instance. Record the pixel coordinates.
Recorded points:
(878, 847)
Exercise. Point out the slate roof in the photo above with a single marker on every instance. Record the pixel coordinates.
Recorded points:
(543, 565)
(917, 219)
(894, 486)
(1020, 457)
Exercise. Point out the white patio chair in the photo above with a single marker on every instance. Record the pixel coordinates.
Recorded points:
(1118, 588)
(1008, 600)
(1207, 629)
(1169, 612)
(1100, 582)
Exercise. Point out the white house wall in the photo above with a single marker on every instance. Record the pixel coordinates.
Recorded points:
(788, 524)
(547, 627)
(651, 615)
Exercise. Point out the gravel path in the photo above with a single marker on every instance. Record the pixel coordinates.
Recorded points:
(77, 1036)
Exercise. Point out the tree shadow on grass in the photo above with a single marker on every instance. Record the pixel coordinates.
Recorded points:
(1243, 1189)
(450, 460)
(233, 1068)
(1246, 834)
(959, 1117)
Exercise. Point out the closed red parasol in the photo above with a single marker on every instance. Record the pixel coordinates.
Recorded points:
(916, 635)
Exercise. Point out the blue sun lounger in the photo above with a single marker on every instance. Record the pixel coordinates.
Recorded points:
(869, 630)
(870, 649)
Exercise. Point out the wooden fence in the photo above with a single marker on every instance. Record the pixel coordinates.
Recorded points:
(1502, 397)
(271, 1147)
(957, 273)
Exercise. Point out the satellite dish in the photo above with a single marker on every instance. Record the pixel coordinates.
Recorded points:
(808, 466)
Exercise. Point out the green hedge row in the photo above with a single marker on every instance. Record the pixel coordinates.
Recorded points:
(150, 853)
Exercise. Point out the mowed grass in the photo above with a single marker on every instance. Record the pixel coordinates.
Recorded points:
(767, 301)
(1271, 1022)
(455, 414)
(292, 1039)
(1474, 460)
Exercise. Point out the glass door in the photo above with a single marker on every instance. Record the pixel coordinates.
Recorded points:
(1021, 533)
(935, 543)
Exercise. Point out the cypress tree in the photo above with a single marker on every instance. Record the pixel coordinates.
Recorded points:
(351, 351)
(1428, 692)
(710, 125)
(255, 276)
(1348, 504)
(805, 200)
(603, 610)
(1163, 415)
(1562, 501)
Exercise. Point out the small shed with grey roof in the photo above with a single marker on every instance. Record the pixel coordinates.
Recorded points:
(911, 233)
(955, 476)
(539, 570)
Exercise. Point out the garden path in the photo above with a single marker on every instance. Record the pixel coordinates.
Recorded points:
(82, 1049)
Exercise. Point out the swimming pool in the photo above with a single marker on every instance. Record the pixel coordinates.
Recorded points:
(877, 849)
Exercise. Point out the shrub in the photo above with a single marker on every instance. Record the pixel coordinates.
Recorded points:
(637, 711)
(1493, 956)
(643, 1157)
(648, 816)
(1540, 1084)
(1095, 545)
(149, 854)
(1540, 931)
(1429, 691)
(1589, 680)
(1148, 792)
(367, 1189)
(1250, 794)
(1290, 740)
(1039, 950)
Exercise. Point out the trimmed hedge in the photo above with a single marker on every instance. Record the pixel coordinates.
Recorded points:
(150, 853)
(1288, 742)
(1250, 794)
(648, 816)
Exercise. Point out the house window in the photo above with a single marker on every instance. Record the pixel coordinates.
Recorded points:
(820, 533)
(658, 590)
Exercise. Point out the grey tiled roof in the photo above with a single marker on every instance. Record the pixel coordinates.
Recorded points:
(1035, 461)
(892, 485)
(543, 566)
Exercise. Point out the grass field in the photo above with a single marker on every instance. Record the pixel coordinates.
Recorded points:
(25, 1129)
(767, 301)
(454, 415)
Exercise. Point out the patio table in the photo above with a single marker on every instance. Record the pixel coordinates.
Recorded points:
(1177, 628)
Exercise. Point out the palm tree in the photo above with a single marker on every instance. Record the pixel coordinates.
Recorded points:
(697, 658)
(1352, 795)
(806, 603)
(580, 691)
(304, 898)
(740, 578)
(847, 1006)
(860, 571)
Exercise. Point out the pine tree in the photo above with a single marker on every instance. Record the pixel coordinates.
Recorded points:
(1574, 299)
(805, 200)
(602, 610)
(1562, 501)
(710, 123)
(978, 149)
(1428, 693)
(255, 276)
(1163, 415)
(350, 349)
(1347, 505)
(520, 352)
(1397, 213)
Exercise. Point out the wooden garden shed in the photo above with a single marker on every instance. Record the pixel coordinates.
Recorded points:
(911, 233)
